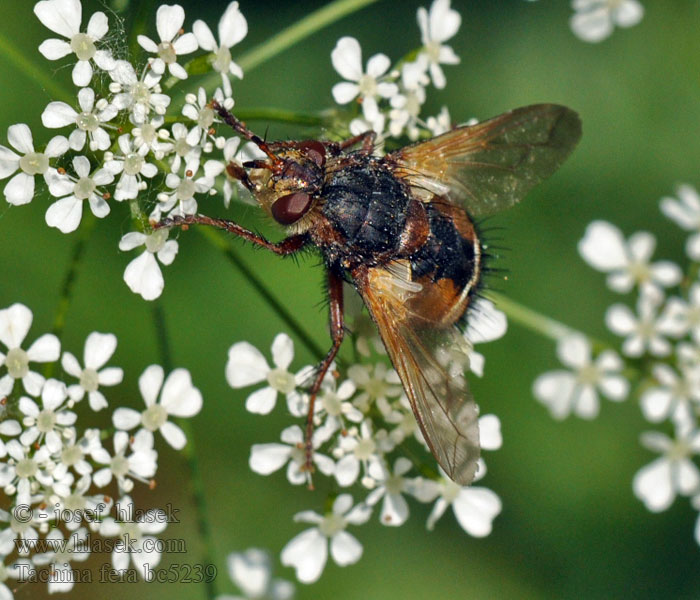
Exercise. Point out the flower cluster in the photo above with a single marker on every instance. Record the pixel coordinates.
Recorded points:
(115, 146)
(67, 483)
(397, 94)
(364, 430)
(122, 145)
(594, 20)
(659, 351)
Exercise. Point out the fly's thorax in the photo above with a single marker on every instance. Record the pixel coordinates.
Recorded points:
(364, 210)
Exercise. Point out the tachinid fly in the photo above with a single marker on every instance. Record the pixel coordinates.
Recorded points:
(400, 229)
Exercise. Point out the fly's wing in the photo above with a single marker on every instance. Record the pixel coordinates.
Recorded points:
(431, 363)
(490, 166)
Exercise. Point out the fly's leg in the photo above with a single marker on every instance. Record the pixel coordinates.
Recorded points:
(367, 138)
(286, 246)
(335, 295)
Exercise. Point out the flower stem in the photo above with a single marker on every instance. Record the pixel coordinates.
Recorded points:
(529, 318)
(283, 116)
(69, 279)
(220, 242)
(190, 453)
(298, 31)
(286, 38)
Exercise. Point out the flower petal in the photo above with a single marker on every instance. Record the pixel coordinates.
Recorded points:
(307, 553)
(245, 366)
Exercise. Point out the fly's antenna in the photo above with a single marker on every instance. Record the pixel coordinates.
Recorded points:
(239, 127)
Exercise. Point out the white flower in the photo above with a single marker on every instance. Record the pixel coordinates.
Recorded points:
(20, 189)
(140, 96)
(594, 20)
(20, 569)
(406, 105)
(75, 548)
(675, 395)
(173, 43)
(15, 322)
(361, 125)
(673, 473)
(23, 528)
(308, 551)
(197, 109)
(336, 402)
(178, 398)
(88, 122)
(46, 424)
(268, 458)
(99, 348)
(248, 151)
(151, 135)
(645, 332)
(74, 452)
(184, 146)
(180, 200)
(247, 366)
(143, 275)
(347, 60)
(604, 248)
(132, 166)
(360, 449)
(66, 213)
(64, 17)
(135, 539)
(485, 323)
(25, 472)
(374, 387)
(232, 29)
(391, 487)
(252, 573)
(688, 354)
(437, 27)
(475, 507)
(66, 496)
(441, 123)
(139, 464)
(8, 428)
(490, 436)
(685, 212)
(684, 317)
(564, 392)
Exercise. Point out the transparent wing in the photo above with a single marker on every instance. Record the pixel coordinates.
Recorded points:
(431, 363)
(490, 166)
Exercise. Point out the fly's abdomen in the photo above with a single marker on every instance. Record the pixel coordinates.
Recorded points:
(448, 265)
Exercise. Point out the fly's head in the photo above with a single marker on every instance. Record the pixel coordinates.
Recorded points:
(287, 183)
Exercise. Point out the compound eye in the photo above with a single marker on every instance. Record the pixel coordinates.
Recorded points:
(315, 150)
(290, 208)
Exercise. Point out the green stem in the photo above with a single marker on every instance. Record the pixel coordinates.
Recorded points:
(220, 242)
(41, 74)
(69, 279)
(283, 116)
(190, 452)
(324, 119)
(529, 318)
(286, 38)
(298, 31)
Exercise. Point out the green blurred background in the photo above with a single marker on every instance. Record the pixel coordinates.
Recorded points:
(570, 526)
